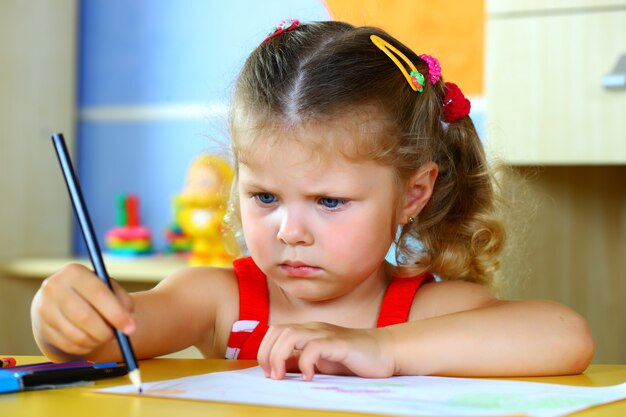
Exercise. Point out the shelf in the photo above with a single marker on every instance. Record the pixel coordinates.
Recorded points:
(141, 269)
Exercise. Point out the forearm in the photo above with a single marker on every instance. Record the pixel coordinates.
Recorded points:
(506, 338)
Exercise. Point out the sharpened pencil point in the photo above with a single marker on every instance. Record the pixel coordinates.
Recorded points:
(135, 378)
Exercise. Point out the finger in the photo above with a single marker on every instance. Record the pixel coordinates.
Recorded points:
(59, 342)
(309, 356)
(327, 355)
(280, 352)
(48, 317)
(81, 315)
(106, 303)
(265, 349)
(67, 337)
(289, 340)
(73, 279)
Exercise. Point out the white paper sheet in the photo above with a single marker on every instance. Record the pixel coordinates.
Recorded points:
(404, 396)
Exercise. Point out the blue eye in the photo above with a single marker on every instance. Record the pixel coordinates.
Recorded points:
(266, 198)
(331, 203)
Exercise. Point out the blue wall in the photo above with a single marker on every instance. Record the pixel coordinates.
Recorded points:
(139, 62)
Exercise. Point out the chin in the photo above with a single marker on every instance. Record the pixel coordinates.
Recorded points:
(304, 291)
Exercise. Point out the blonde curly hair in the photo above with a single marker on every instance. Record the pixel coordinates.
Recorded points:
(323, 70)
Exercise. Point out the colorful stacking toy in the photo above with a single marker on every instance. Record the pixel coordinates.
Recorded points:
(178, 242)
(128, 238)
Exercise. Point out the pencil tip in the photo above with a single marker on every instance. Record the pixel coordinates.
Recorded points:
(135, 378)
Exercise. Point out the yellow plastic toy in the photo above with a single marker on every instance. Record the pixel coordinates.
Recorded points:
(201, 207)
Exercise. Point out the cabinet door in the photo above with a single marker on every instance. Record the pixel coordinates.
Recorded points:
(545, 99)
(37, 90)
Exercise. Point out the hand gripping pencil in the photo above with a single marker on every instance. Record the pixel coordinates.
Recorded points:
(84, 220)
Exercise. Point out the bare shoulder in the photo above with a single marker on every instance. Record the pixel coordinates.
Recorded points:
(439, 298)
(198, 279)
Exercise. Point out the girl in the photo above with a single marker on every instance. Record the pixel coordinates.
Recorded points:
(344, 141)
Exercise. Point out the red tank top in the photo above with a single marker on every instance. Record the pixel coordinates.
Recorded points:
(248, 332)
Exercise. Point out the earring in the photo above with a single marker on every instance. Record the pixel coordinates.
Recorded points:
(411, 220)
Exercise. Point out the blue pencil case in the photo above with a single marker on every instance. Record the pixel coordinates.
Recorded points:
(56, 375)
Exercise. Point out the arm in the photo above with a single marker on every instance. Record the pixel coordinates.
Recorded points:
(72, 310)
(455, 328)
(489, 337)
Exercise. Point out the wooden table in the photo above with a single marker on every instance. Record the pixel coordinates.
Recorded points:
(82, 401)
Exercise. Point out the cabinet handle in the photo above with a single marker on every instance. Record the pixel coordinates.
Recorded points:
(617, 78)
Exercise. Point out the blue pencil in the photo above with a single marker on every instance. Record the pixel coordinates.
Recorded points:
(80, 208)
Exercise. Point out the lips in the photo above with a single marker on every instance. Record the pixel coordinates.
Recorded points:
(298, 269)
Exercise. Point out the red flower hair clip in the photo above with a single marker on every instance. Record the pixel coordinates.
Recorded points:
(284, 26)
(455, 105)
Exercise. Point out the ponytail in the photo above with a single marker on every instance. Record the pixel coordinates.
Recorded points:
(459, 231)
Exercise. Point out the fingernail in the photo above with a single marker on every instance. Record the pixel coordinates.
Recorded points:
(130, 328)
(273, 374)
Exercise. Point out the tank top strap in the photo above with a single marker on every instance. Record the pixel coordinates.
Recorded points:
(398, 299)
(253, 293)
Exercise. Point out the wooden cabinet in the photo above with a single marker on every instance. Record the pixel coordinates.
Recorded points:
(545, 63)
(37, 89)
(564, 136)
(37, 93)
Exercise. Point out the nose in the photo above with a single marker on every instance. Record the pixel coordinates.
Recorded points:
(293, 230)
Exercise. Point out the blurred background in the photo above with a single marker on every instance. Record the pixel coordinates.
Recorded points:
(141, 88)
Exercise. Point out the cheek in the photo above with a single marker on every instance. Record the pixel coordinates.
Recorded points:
(358, 239)
(257, 230)
(248, 223)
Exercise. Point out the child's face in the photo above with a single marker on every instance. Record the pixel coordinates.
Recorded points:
(318, 229)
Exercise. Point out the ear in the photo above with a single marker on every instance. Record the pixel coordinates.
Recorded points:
(419, 188)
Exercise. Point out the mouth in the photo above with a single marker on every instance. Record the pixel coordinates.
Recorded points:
(298, 269)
